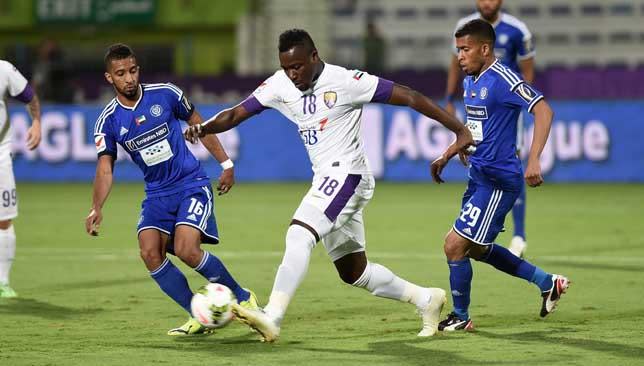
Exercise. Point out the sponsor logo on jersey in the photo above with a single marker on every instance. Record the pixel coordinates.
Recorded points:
(123, 131)
(475, 111)
(156, 110)
(140, 119)
(330, 98)
(99, 141)
(148, 138)
(473, 94)
(192, 217)
(526, 92)
(467, 231)
(358, 75)
(483, 94)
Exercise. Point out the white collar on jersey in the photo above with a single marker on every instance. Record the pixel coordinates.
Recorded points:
(135, 104)
(484, 71)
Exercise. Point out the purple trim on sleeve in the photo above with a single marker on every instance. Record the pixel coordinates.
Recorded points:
(252, 105)
(383, 91)
(26, 95)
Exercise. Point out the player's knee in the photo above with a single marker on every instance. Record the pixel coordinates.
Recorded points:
(300, 235)
(152, 257)
(350, 275)
(454, 249)
(189, 253)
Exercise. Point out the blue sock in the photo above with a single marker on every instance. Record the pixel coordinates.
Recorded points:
(460, 281)
(173, 283)
(503, 260)
(214, 271)
(518, 214)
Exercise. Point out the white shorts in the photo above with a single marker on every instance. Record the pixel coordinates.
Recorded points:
(8, 195)
(333, 207)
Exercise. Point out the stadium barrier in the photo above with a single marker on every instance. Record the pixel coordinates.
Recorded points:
(591, 141)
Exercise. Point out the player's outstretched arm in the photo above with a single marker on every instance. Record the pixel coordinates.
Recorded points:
(402, 95)
(220, 122)
(102, 187)
(213, 145)
(542, 121)
(33, 134)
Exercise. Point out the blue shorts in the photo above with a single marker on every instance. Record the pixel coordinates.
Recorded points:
(490, 195)
(193, 207)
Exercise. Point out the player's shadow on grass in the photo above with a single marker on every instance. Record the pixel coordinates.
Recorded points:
(81, 285)
(422, 351)
(594, 266)
(41, 309)
(546, 337)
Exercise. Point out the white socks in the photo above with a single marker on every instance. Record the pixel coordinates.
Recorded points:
(380, 281)
(7, 252)
(295, 263)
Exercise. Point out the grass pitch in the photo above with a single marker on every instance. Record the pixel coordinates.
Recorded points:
(90, 301)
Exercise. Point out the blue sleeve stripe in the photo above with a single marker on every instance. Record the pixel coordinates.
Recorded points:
(507, 72)
(109, 109)
(513, 83)
(168, 86)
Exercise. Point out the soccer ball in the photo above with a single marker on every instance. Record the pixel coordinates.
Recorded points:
(211, 305)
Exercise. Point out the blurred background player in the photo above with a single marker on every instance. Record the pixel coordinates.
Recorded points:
(515, 49)
(325, 102)
(177, 214)
(13, 83)
(494, 96)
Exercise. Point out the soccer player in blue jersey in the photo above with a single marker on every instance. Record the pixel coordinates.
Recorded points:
(494, 96)
(514, 48)
(177, 214)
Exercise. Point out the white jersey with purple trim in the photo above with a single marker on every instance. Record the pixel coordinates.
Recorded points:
(328, 115)
(13, 83)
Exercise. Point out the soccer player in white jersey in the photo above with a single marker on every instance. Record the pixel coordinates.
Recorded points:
(13, 83)
(515, 49)
(325, 102)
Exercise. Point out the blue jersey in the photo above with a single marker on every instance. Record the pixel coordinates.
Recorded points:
(150, 132)
(513, 39)
(493, 102)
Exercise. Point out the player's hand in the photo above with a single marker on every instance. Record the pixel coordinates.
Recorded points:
(533, 176)
(194, 132)
(463, 141)
(226, 181)
(93, 221)
(464, 157)
(33, 135)
(437, 168)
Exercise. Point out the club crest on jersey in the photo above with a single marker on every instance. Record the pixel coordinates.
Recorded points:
(140, 119)
(156, 110)
(483, 93)
(330, 98)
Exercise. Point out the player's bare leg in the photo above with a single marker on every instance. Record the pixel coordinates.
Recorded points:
(7, 253)
(355, 269)
(152, 245)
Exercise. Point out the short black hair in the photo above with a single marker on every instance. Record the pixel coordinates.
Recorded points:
(117, 51)
(478, 28)
(295, 37)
